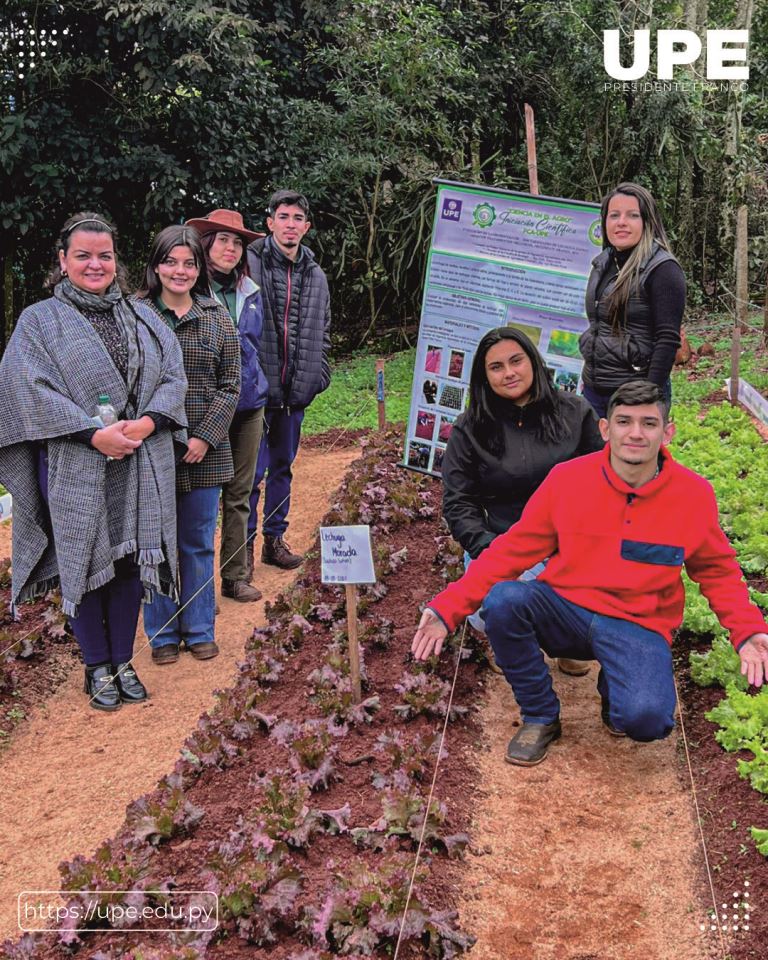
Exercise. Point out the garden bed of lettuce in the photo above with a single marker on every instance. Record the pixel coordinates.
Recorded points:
(301, 809)
(727, 723)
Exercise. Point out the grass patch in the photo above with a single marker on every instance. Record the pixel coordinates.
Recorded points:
(350, 401)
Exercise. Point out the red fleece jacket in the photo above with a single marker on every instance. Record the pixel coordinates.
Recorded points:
(617, 550)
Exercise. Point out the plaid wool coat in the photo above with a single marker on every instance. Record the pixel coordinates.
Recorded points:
(211, 350)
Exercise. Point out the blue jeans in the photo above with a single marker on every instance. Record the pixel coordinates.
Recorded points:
(522, 619)
(475, 619)
(279, 446)
(191, 620)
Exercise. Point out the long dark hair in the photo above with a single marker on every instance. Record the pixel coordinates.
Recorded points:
(653, 229)
(240, 269)
(174, 236)
(90, 222)
(487, 411)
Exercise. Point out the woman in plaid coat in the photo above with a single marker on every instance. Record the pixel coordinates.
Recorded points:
(176, 285)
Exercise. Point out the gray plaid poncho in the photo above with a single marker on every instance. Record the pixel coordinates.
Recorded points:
(51, 375)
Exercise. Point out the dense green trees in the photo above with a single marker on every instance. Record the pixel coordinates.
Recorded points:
(155, 111)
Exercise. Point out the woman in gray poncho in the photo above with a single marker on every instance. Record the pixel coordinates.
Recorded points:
(93, 505)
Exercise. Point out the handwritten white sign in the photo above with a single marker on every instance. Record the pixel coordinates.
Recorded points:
(752, 400)
(6, 507)
(345, 555)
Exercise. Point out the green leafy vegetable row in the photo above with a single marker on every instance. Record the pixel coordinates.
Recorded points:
(723, 446)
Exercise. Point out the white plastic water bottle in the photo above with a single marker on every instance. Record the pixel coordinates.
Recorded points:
(105, 411)
(106, 414)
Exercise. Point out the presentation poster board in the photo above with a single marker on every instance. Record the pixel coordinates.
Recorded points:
(497, 258)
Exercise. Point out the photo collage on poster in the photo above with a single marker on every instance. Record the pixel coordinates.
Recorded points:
(443, 388)
(497, 259)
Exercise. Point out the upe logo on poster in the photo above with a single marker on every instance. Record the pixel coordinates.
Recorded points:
(676, 47)
(451, 210)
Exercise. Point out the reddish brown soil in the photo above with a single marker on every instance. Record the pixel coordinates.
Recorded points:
(69, 771)
(37, 658)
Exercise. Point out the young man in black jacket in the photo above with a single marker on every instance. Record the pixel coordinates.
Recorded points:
(294, 347)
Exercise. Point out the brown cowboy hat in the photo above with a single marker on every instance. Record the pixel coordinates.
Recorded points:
(228, 220)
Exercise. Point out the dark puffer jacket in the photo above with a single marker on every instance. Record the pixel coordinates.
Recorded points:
(296, 336)
(483, 493)
(612, 358)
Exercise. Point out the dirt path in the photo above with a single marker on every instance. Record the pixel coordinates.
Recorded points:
(67, 777)
(589, 856)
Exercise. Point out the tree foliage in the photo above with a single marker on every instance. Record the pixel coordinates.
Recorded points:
(154, 112)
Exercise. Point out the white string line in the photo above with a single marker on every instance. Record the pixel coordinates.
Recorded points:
(698, 820)
(431, 792)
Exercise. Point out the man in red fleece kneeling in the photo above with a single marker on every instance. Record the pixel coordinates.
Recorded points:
(617, 526)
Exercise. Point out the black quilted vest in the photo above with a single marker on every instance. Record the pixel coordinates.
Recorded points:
(610, 358)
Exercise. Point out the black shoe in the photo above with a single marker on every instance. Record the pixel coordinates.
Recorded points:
(529, 745)
(605, 712)
(168, 653)
(249, 561)
(204, 651)
(100, 687)
(276, 552)
(130, 688)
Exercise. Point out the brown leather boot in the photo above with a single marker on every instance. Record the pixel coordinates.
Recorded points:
(574, 668)
(240, 590)
(276, 552)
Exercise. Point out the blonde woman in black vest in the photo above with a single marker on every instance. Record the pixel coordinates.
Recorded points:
(635, 300)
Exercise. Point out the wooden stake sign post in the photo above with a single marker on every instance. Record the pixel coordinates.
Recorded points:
(380, 393)
(346, 558)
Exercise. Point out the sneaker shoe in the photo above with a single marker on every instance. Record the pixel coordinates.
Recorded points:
(574, 668)
(168, 653)
(605, 712)
(240, 590)
(276, 552)
(530, 744)
(204, 651)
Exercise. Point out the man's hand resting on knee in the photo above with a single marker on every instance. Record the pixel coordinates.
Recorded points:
(429, 637)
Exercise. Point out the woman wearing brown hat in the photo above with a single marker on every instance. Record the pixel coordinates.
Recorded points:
(224, 240)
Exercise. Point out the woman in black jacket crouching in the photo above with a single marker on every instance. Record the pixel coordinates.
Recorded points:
(517, 427)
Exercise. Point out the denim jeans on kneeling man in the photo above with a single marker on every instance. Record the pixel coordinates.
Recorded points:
(522, 619)
(476, 619)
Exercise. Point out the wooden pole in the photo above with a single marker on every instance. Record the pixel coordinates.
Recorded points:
(530, 140)
(742, 294)
(380, 393)
(742, 266)
(354, 646)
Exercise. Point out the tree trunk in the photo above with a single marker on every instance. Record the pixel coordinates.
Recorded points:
(736, 190)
